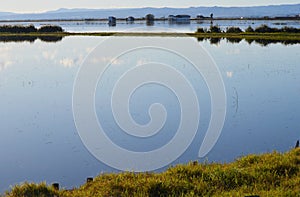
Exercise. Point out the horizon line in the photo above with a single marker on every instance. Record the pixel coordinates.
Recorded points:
(149, 7)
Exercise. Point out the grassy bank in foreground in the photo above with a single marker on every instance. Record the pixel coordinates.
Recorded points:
(271, 174)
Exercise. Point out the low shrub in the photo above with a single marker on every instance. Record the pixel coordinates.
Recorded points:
(266, 29)
(290, 29)
(17, 29)
(50, 29)
(32, 190)
(215, 29)
(30, 29)
(200, 30)
(249, 29)
(234, 30)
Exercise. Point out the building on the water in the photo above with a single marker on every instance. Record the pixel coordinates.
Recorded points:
(130, 19)
(112, 21)
(179, 19)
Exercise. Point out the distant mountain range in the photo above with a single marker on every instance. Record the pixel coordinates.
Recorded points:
(63, 13)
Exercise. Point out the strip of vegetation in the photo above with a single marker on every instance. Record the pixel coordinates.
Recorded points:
(262, 35)
(271, 174)
(261, 32)
(30, 29)
(263, 40)
(19, 33)
(260, 29)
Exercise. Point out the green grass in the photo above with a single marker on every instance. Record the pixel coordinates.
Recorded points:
(32, 190)
(262, 35)
(243, 35)
(271, 174)
(260, 38)
(287, 35)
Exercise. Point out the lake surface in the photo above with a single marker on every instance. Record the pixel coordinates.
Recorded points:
(39, 140)
(102, 26)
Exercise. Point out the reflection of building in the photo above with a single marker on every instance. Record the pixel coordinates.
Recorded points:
(130, 19)
(179, 18)
(200, 18)
(112, 21)
(149, 19)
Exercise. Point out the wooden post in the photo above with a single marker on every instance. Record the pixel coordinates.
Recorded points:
(89, 179)
(55, 186)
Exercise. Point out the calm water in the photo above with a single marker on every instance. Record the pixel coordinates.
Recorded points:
(39, 140)
(102, 26)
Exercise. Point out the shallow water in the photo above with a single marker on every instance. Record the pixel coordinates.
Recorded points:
(102, 26)
(39, 140)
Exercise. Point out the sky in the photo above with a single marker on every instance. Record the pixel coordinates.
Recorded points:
(28, 6)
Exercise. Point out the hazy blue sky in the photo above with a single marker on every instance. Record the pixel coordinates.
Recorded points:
(39, 5)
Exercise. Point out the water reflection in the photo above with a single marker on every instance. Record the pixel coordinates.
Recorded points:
(234, 40)
(215, 40)
(39, 140)
(261, 41)
(30, 39)
(101, 26)
(50, 38)
(212, 40)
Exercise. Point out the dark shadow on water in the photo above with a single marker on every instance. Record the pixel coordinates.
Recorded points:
(234, 40)
(261, 41)
(249, 40)
(18, 38)
(30, 39)
(200, 39)
(50, 38)
(215, 41)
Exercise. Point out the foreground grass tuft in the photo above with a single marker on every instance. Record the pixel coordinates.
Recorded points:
(32, 190)
(271, 174)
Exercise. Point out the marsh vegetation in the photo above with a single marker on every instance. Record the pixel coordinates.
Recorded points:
(30, 29)
(270, 174)
(262, 35)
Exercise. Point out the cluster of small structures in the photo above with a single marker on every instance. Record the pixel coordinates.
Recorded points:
(173, 19)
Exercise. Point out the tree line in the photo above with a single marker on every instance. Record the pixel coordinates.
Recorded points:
(30, 29)
(260, 29)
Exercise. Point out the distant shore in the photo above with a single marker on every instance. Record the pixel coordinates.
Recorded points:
(158, 19)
